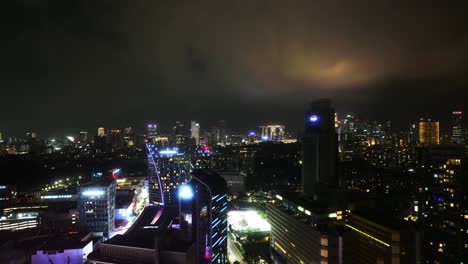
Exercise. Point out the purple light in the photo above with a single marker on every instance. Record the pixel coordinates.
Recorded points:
(252, 133)
(313, 118)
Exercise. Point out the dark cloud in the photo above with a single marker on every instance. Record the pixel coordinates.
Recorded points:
(67, 65)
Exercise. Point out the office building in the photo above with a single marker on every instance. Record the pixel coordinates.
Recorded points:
(96, 205)
(151, 132)
(203, 213)
(371, 237)
(195, 132)
(20, 219)
(319, 148)
(115, 139)
(272, 133)
(443, 207)
(101, 132)
(179, 133)
(84, 137)
(174, 169)
(428, 132)
(156, 196)
(457, 127)
(300, 234)
(235, 181)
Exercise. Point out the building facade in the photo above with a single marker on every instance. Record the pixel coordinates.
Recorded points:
(319, 148)
(96, 205)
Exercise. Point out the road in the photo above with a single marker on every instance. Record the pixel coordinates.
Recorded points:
(233, 252)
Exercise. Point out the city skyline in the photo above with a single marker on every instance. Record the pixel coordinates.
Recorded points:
(87, 63)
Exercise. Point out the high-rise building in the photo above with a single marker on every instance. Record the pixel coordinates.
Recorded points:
(83, 136)
(457, 127)
(428, 132)
(173, 169)
(101, 132)
(195, 132)
(272, 133)
(115, 138)
(129, 137)
(319, 148)
(96, 205)
(179, 133)
(203, 212)
(443, 207)
(151, 132)
(296, 237)
(156, 196)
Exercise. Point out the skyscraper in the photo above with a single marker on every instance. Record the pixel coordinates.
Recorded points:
(151, 132)
(428, 132)
(203, 211)
(84, 136)
(195, 132)
(156, 197)
(443, 205)
(179, 133)
(173, 169)
(96, 205)
(101, 132)
(319, 148)
(457, 127)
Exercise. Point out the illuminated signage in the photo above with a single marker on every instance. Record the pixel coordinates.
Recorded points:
(93, 193)
(313, 119)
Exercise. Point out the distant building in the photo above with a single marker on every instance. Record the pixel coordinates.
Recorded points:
(151, 132)
(272, 133)
(195, 132)
(179, 133)
(319, 148)
(84, 137)
(96, 205)
(428, 132)
(101, 132)
(457, 127)
(115, 139)
(235, 181)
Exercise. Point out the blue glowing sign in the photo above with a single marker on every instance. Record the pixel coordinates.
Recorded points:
(169, 152)
(185, 192)
(93, 193)
(313, 119)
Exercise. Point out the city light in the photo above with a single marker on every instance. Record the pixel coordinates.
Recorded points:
(248, 221)
(313, 118)
(93, 193)
(185, 192)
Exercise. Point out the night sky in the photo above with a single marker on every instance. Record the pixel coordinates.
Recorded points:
(71, 65)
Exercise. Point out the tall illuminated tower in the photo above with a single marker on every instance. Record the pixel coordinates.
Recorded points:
(319, 148)
(173, 169)
(151, 132)
(428, 132)
(101, 132)
(203, 214)
(195, 132)
(457, 127)
(156, 196)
